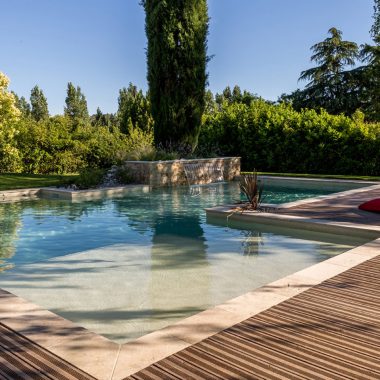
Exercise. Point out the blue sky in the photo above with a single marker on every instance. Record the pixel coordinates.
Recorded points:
(261, 45)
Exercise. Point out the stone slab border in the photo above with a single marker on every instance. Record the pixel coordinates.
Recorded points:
(371, 186)
(67, 194)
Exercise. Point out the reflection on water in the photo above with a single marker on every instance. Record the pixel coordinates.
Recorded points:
(40, 229)
(252, 242)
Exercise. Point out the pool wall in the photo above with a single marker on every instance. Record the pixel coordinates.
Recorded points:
(173, 173)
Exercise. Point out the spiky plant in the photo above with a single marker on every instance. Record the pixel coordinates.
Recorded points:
(251, 188)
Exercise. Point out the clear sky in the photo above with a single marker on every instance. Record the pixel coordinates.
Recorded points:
(261, 45)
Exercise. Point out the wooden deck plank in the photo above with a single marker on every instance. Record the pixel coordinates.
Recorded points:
(331, 331)
(20, 358)
(342, 209)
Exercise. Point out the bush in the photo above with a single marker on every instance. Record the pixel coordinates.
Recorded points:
(277, 138)
(89, 178)
(57, 145)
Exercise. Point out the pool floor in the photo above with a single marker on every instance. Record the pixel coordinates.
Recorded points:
(124, 291)
(126, 267)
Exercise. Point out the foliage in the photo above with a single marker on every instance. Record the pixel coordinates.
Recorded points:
(23, 105)
(134, 110)
(76, 104)
(103, 119)
(370, 79)
(39, 105)
(136, 144)
(235, 96)
(329, 86)
(278, 138)
(89, 178)
(333, 55)
(9, 115)
(176, 57)
(335, 88)
(250, 187)
(60, 145)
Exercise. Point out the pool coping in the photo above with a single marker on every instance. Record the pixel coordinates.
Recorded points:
(105, 359)
(67, 194)
(281, 206)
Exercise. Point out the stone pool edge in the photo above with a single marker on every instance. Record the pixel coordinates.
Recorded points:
(54, 193)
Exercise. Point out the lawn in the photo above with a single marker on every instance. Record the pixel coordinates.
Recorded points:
(24, 181)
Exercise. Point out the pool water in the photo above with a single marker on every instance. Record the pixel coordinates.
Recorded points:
(125, 267)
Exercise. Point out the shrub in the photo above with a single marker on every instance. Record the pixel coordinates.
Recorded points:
(89, 178)
(278, 138)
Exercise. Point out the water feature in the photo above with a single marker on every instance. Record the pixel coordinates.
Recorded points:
(203, 172)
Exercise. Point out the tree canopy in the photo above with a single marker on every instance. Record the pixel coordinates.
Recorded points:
(39, 104)
(76, 103)
(9, 115)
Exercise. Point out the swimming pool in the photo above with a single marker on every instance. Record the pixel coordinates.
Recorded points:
(128, 266)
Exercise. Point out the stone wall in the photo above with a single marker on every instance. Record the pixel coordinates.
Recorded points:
(172, 173)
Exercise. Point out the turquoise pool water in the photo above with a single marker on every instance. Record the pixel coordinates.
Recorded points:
(129, 266)
(40, 229)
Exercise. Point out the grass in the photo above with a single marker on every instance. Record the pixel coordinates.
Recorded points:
(325, 176)
(24, 181)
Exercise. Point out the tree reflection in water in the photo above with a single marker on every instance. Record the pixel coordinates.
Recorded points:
(10, 222)
(252, 241)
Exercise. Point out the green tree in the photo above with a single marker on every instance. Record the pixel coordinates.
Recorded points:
(9, 116)
(370, 79)
(367, 77)
(103, 119)
(23, 105)
(134, 110)
(330, 85)
(235, 96)
(332, 55)
(176, 56)
(39, 105)
(76, 104)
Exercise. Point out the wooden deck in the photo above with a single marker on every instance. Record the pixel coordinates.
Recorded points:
(331, 331)
(22, 359)
(341, 209)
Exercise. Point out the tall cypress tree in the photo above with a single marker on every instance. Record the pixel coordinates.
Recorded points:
(39, 105)
(375, 30)
(177, 57)
(76, 103)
